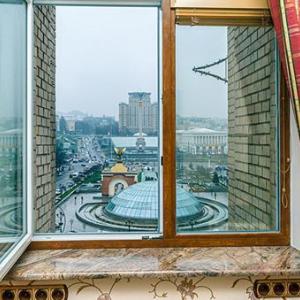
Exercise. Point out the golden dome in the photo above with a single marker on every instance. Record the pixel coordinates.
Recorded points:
(119, 168)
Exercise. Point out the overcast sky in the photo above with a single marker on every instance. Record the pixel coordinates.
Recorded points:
(104, 53)
(199, 95)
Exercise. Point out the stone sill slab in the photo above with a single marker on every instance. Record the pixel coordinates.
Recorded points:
(156, 262)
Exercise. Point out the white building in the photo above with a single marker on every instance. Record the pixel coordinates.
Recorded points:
(202, 141)
(129, 143)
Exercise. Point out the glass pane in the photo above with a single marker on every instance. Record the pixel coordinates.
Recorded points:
(12, 124)
(226, 129)
(106, 173)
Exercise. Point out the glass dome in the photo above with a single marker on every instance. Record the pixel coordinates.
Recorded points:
(139, 203)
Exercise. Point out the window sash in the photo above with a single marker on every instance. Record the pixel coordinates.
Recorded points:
(155, 234)
(22, 242)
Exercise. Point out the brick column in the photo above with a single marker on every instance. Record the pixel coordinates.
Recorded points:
(44, 117)
(252, 128)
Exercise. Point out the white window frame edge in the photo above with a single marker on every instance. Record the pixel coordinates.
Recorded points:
(18, 249)
(95, 237)
(160, 105)
(99, 2)
(118, 236)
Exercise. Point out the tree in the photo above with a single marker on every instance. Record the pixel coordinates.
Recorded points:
(83, 127)
(60, 154)
(139, 177)
(63, 125)
(215, 178)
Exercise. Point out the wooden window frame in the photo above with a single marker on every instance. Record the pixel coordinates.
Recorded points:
(210, 16)
(221, 4)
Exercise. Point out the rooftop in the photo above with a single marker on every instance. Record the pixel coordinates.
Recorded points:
(201, 131)
(130, 142)
(140, 202)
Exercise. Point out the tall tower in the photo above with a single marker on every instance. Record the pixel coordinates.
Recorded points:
(129, 114)
(123, 116)
(140, 142)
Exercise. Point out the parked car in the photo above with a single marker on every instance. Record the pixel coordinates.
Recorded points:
(75, 174)
(70, 184)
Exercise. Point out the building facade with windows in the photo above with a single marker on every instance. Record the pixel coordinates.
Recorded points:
(202, 141)
(10, 141)
(139, 111)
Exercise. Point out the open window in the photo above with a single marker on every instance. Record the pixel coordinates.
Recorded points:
(15, 177)
(154, 124)
(97, 93)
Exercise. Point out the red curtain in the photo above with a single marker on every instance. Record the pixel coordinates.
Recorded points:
(286, 18)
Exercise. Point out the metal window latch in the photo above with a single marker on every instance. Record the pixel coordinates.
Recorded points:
(277, 288)
(34, 292)
(159, 237)
(147, 237)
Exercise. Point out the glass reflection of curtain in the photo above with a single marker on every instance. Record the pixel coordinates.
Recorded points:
(286, 18)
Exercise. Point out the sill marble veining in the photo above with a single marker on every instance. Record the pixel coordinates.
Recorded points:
(98, 263)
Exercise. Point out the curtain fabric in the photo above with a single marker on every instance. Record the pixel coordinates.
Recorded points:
(286, 18)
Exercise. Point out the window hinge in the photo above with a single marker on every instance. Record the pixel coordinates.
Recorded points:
(161, 160)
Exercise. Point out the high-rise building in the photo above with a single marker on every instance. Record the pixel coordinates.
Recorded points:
(139, 106)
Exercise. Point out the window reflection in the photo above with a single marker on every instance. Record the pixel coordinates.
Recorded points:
(12, 122)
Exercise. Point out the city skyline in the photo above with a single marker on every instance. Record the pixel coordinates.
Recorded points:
(74, 113)
(100, 115)
(104, 75)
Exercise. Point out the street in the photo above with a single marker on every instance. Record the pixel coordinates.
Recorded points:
(88, 155)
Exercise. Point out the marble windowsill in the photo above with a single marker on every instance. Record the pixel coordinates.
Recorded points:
(99, 263)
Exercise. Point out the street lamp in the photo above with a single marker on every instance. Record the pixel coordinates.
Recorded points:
(62, 220)
(192, 224)
(71, 225)
(129, 223)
